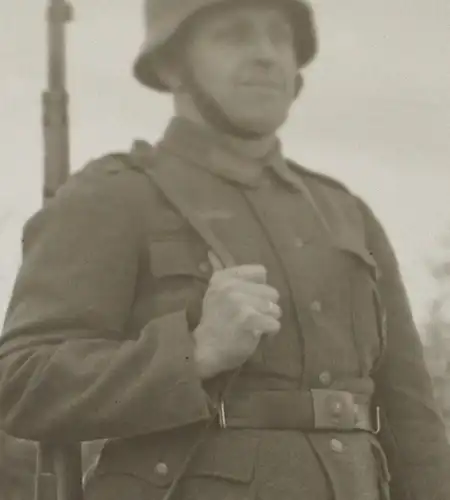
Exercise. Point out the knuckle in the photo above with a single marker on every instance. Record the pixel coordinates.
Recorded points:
(275, 294)
(216, 281)
(271, 324)
(231, 283)
(236, 298)
(277, 310)
(246, 314)
(276, 326)
(224, 285)
(217, 275)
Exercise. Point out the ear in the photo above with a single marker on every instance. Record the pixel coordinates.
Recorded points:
(168, 73)
(299, 83)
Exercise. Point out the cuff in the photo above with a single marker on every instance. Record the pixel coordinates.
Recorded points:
(179, 397)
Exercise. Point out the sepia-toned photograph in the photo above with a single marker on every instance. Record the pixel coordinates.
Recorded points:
(225, 250)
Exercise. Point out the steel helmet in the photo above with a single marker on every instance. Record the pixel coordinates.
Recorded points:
(164, 18)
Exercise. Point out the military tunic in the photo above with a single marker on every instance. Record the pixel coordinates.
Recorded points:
(99, 327)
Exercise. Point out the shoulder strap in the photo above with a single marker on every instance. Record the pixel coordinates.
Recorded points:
(143, 158)
(296, 180)
(325, 178)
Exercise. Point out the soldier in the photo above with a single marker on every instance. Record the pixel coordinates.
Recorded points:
(234, 324)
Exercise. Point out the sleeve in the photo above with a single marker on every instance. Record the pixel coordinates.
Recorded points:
(413, 434)
(68, 370)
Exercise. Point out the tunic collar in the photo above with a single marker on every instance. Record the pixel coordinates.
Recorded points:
(206, 150)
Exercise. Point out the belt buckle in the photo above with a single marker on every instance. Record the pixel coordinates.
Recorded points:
(334, 410)
(222, 415)
(374, 419)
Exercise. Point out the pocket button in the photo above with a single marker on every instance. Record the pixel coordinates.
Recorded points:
(325, 378)
(161, 469)
(316, 306)
(299, 243)
(337, 446)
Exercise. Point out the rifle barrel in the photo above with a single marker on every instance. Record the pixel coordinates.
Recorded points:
(59, 471)
(55, 100)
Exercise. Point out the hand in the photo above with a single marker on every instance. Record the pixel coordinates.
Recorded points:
(238, 308)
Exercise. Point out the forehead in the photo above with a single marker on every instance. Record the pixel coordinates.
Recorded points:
(229, 13)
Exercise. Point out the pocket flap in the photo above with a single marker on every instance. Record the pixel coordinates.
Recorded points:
(227, 455)
(358, 250)
(176, 258)
(147, 459)
(158, 461)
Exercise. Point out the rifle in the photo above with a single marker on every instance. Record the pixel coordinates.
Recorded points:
(59, 467)
(55, 100)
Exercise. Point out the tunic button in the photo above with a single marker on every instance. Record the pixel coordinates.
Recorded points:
(161, 469)
(316, 306)
(299, 243)
(204, 267)
(337, 446)
(325, 378)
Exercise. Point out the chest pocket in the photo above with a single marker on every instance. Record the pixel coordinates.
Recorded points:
(178, 257)
(180, 272)
(367, 310)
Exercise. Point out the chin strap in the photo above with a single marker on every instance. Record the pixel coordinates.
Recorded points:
(213, 113)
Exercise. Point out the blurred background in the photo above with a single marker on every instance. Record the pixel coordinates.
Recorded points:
(375, 114)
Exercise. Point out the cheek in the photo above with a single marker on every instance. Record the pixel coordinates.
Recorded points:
(218, 71)
(290, 70)
(213, 72)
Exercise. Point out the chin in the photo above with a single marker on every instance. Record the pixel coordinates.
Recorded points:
(262, 125)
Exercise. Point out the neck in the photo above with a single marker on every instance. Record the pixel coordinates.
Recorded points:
(250, 148)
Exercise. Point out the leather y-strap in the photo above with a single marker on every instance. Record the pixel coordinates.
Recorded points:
(143, 159)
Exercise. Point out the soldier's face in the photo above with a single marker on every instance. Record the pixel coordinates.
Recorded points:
(243, 56)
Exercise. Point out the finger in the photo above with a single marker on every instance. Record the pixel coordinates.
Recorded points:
(252, 272)
(260, 305)
(264, 292)
(273, 310)
(258, 277)
(268, 308)
(258, 334)
(254, 321)
(263, 323)
(215, 262)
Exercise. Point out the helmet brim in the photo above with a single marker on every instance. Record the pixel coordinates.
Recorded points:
(144, 68)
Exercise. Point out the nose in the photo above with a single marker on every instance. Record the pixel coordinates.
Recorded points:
(264, 51)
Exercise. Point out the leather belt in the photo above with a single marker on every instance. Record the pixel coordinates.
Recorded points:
(313, 410)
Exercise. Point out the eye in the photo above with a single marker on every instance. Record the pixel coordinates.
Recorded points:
(281, 33)
(235, 33)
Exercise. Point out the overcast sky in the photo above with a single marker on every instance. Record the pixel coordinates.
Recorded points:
(375, 113)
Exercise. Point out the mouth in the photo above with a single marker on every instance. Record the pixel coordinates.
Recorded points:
(266, 85)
